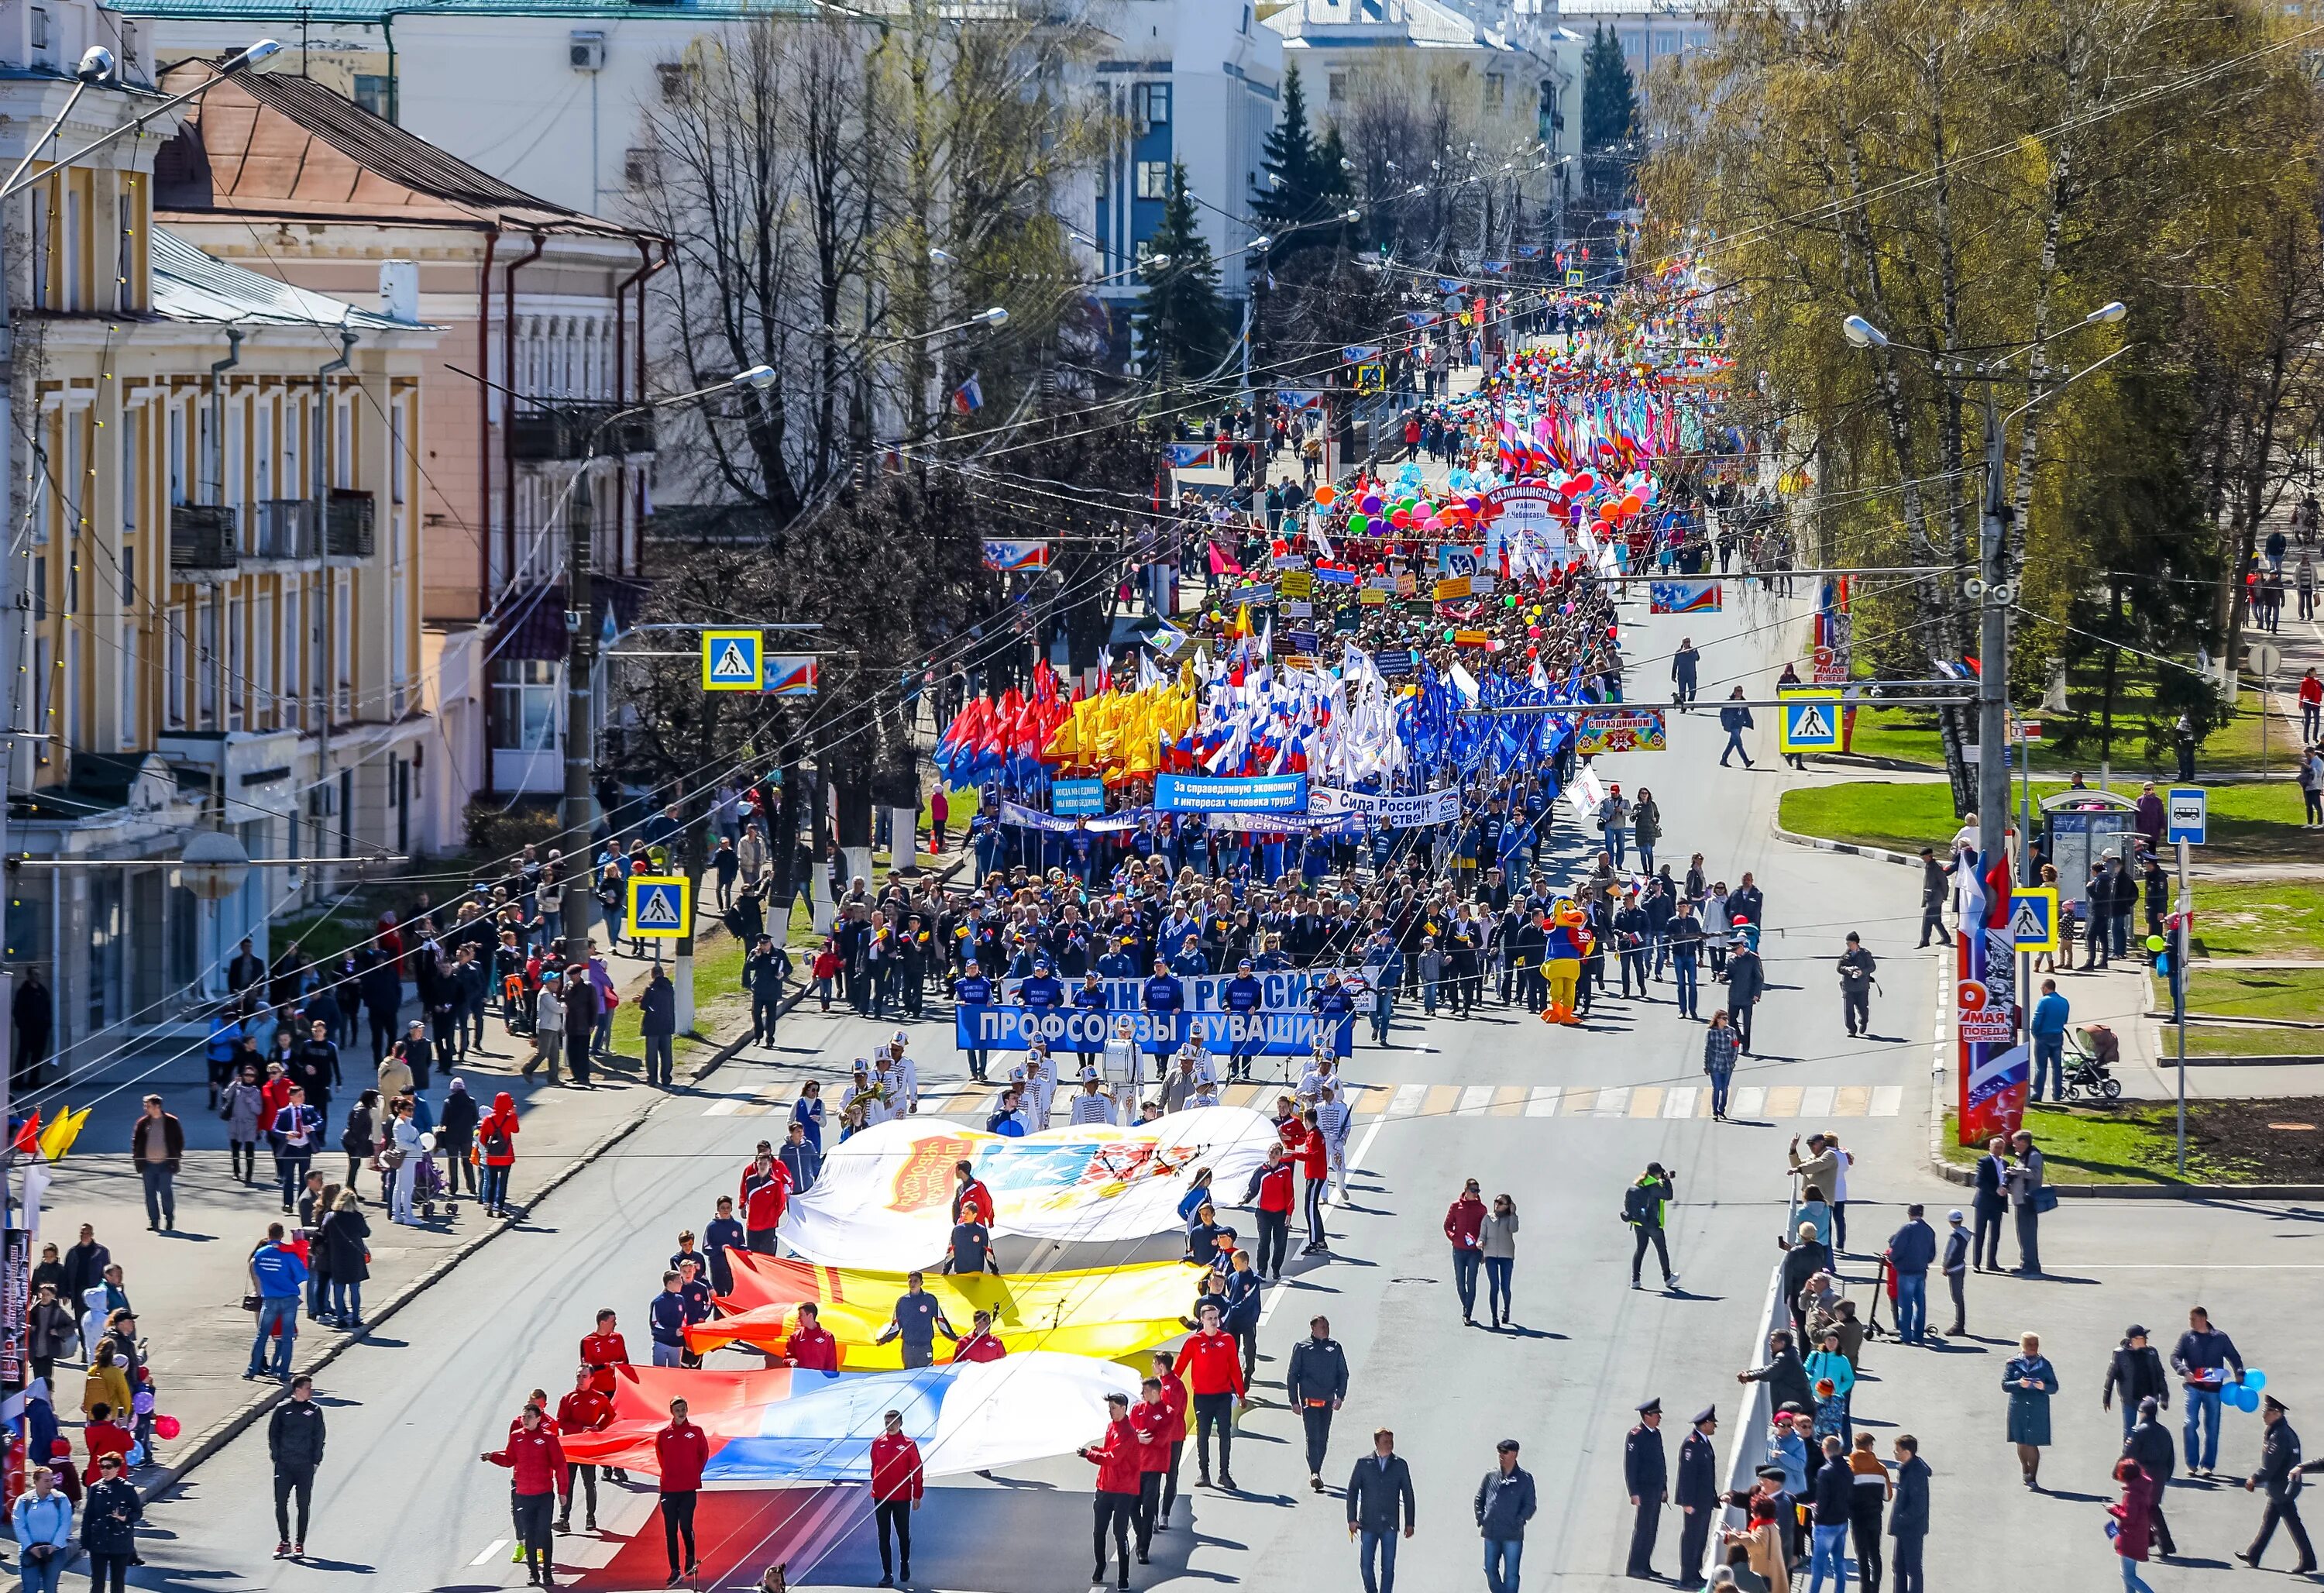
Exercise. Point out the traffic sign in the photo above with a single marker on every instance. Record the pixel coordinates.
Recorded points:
(1573, 277)
(2188, 814)
(1372, 376)
(2034, 920)
(662, 906)
(1810, 722)
(733, 660)
(2265, 658)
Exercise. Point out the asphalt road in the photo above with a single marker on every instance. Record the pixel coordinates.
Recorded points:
(403, 1499)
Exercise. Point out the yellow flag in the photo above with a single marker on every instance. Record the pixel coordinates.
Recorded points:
(57, 1137)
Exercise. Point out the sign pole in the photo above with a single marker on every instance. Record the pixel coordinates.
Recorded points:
(2179, 995)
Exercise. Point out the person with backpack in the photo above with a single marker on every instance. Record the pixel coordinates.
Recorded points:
(496, 1146)
(1643, 1205)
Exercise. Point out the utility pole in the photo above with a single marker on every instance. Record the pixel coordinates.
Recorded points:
(1994, 594)
(580, 673)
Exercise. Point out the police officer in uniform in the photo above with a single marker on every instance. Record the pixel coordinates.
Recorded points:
(1697, 1493)
(2280, 1471)
(1646, 1474)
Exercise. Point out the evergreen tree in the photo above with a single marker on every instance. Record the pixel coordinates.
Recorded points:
(1182, 323)
(1610, 98)
(1289, 196)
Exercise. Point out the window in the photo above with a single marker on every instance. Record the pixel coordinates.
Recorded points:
(177, 454)
(206, 653)
(638, 167)
(524, 705)
(262, 664)
(237, 675)
(45, 230)
(375, 92)
(262, 466)
(174, 700)
(133, 480)
(1150, 104)
(128, 577)
(395, 461)
(1338, 88)
(1497, 88)
(343, 645)
(294, 649)
(673, 75)
(131, 732)
(40, 28)
(1153, 179)
(42, 714)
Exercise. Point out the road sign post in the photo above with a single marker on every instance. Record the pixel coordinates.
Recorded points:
(662, 906)
(2034, 920)
(2188, 817)
(733, 660)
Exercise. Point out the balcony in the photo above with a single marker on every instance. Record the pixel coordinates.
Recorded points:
(202, 537)
(347, 531)
(565, 431)
(286, 528)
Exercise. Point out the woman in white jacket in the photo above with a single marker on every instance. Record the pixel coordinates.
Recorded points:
(409, 1145)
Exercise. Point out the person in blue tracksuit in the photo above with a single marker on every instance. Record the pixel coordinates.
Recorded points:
(1164, 995)
(1243, 996)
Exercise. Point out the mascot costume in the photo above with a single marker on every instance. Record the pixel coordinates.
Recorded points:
(1568, 929)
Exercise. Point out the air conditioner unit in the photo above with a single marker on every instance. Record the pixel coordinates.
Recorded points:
(322, 801)
(587, 50)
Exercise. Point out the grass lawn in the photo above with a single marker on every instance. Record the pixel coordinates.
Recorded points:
(2273, 919)
(2296, 993)
(2222, 1039)
(718, 1001)
(1910, 736)
(2137, 1145)
(2249, 823)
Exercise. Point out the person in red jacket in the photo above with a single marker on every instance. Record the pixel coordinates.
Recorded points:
(1174, 1399)
(970, 1195)
(1462, 1225)
(1315, 1168)
(584, 1410)
(897, 1485)
(1272, 1185)
(600, 1352)
(981, 1344)
(496, 1147)
(1211, 1366)
(681, 1451)
(811, 1346)
(766, 1191)
(1150, 1420)
(1116, 1460)
(538, 1459)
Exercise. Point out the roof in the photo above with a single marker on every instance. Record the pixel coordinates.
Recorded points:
(189, 285)
(1374, 24)
(373, 13)
(280, 144)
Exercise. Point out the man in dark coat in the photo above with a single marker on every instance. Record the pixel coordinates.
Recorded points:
(1908, 1517)
(1992, 1204)
(1379, 1506)
(1786, 1379)
(2136, 1373)
(1697, 1493)
(1317, 1382)
(1912, 1251)
(1646, 1473)
(2280, 1471)
(33, 1012)
(1936, 885)
(2150, 1444)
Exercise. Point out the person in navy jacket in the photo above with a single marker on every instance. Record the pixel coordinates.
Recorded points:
(1163, 994)
(1243, 996)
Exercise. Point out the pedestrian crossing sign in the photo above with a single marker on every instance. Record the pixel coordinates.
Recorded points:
(733, 660)
(2034, 920)
(662, 906)
(1810, 722)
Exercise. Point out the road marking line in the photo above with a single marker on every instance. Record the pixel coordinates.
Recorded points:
(1815, 1100)
(1508, 1101)
(1887, 1099)
(1408, 1100)
(722, 1109)
(1443, 1099)
(1611, 1103)
(1783, 1100)
(1682, 1100)
(1646, 1101)
(1242, 1095)
(1749, 1100)
(491, 1549)
(1545, 1101)
(1475, 1099)
(1854, 1100)
(1579, 1103)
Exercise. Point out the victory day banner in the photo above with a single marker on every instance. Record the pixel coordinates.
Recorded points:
(1283, 1025)
(1620, 729)
(883, 1199)
(783, 1425)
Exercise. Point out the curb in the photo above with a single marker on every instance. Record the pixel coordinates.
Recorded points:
(2146, 1191)
(1848, 849)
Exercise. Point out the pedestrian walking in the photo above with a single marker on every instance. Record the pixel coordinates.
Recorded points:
(44, 1523)
(2207, 1361)
(681, 1450)
(536, 1460)
(765, 1191)
(2136, 1370)
(1272, 1195)
(1857, 965)
(899, 1483)
(2151, 1445)
(583, 1410)
(1645, 1476)
(1316, 1381)
(1721, 1043)
(277, 1277)
(1115, 1505)
(1734, 718)
(1464, 1224)
(1506, 1501)
(1936, 885)
(1175, 1400)
(1908, 1517)
(157, 1146)
(1497, 1241)
(1746, 981)
(1645, 1206)
(1697, 1493)
(1150, 1420)
(1380, 1508)
(108, 1527)
(1911, 1250)
(2031, 1380)
(2134, 1516)
(294, 1443)
(1956, 1270)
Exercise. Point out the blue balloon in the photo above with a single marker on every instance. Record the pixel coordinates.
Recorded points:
(2246, 1398)
(2255, 1379)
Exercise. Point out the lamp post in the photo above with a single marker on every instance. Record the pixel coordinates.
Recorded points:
(581, 644)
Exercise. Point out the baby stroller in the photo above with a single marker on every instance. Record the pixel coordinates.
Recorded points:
(2091, 1053)
(429, 1185)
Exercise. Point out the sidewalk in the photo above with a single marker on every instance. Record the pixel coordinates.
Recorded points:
(186, 1286)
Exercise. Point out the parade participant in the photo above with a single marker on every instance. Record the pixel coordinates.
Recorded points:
(766, 1191)
(981, 1343)
(537, 1461)
(1116, 1457)
(681, 1450)
(1175, 1399)
(1150, 1420)
(1211, 1368)
(1316, 1382)
(584, 1409)
(916, 1319)
(899, 1483)
(811, 1346)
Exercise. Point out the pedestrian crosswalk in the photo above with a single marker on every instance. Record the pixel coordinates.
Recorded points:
(1748, 1101)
